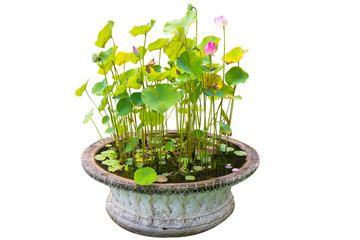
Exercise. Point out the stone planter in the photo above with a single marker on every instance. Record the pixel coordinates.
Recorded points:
(169, 210)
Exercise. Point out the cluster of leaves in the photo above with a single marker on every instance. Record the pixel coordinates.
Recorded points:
(135, 104)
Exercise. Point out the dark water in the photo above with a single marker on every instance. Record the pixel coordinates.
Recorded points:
(218, 169)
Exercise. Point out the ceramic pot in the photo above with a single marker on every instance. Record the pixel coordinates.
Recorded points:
(169, 209)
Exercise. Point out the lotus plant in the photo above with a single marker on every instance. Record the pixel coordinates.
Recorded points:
(136, 101)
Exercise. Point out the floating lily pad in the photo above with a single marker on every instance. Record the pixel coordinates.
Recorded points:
(100, 157)
(190, 178)
(198, 168)
(145, 176)
(162, 178)
(228, 149)
(139, 165)
(240, 153)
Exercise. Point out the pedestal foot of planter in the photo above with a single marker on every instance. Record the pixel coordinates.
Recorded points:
(161, 215)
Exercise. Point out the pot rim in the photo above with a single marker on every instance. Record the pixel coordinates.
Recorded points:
(112, 180)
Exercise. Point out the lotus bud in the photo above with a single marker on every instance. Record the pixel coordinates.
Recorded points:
(136, 51)
(95, 57)
(190, 7)
(209, 48)
(220, 21)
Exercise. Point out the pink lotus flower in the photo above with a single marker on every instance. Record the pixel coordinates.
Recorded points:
(235, 170)
(210, 48)
(136, 51)
(220, 21)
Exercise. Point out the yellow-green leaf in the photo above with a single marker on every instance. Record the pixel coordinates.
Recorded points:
(234, 55)
(154, 76)
(104, 35)
(143, 29)
(119, 89)
(88, 116)
(158, 44)
(80, 91)
(134, 81)
(171, 26)
(122, 58)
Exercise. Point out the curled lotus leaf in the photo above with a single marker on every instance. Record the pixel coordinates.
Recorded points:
(104, 35)
(80, 91)
(234, 55)
(158, 44)
(143, 29)
(212, 81)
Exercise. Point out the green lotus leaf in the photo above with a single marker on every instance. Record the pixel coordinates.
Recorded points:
(169, 145)
(88, 116)
(99, 88)
(145, 176)
(189, 62)
(104, 35)
(124, 106)
(134, 81)
(80, 91)
(120, 89)
(135, 98)
(185, 22)
(132, 144)
(236, 75)
(198, 133)
(223, 114)
(158, 44)
(109, 130)
(103, 103)
(225, 128)
(143, 29)
(236, 97)
(240, 153)
(107, 60)
(161, 98)
(124, 76)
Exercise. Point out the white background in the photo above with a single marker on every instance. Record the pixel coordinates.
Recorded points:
(300, 111)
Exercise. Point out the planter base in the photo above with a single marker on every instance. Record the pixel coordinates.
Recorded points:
(175, 215)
